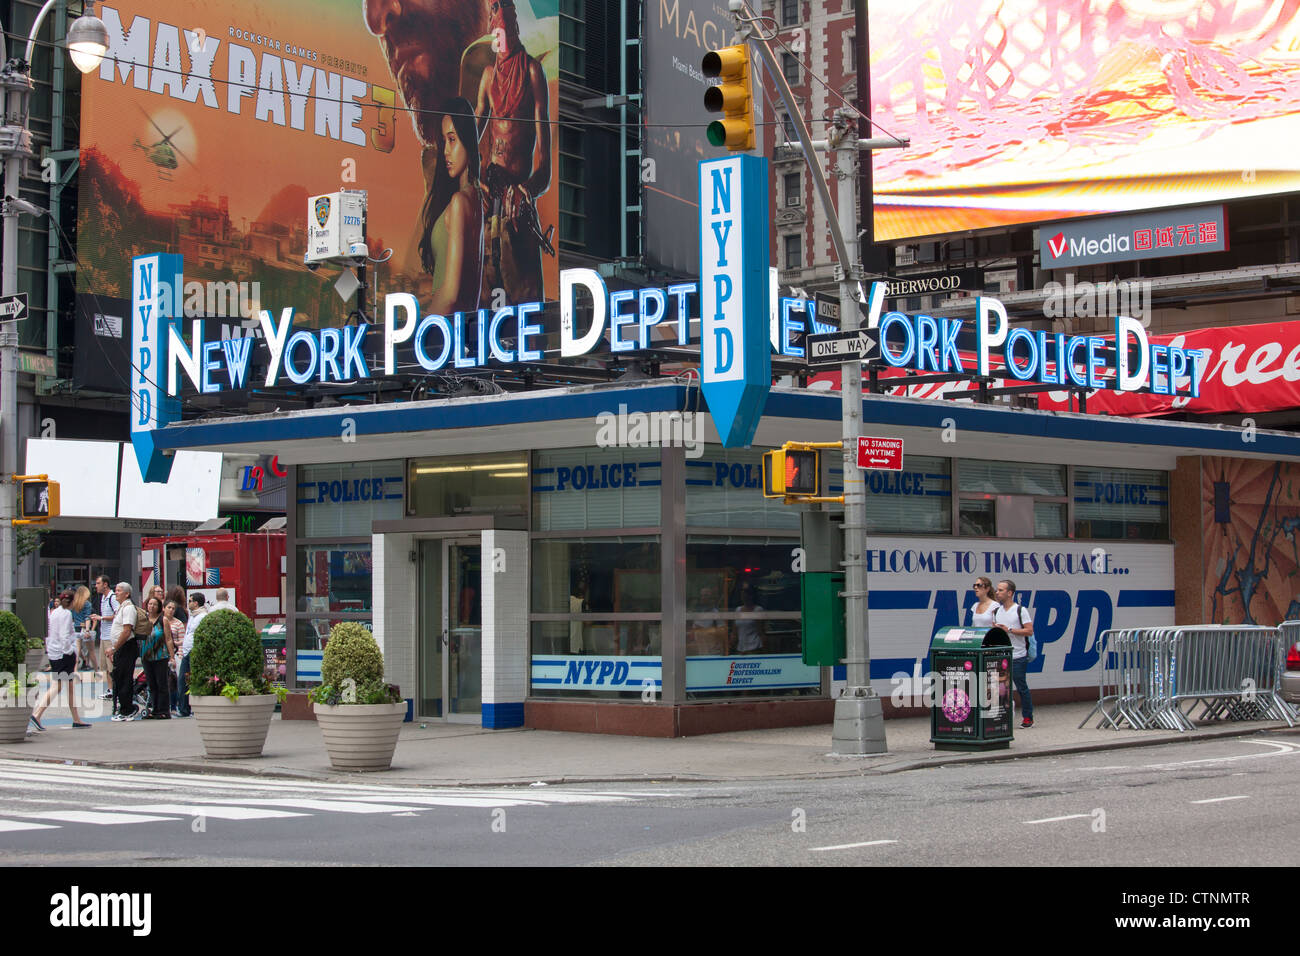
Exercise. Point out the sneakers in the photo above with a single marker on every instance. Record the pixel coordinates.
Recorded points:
(120, 717)
(78, 726)
(36, 723)
(1027, 722)
(108, 696)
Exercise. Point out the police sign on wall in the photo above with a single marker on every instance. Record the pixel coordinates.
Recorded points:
(735, 357)
(153, 281)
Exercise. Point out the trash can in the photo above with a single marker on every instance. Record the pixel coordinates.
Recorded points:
(971, 708)
(274, 651)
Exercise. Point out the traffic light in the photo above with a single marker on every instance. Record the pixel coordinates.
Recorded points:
(791, 473)
(38, 500)
(733, 97)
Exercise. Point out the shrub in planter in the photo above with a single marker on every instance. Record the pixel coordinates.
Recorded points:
(225, 666)
(227, 657)
(14, 706)
(359, 715)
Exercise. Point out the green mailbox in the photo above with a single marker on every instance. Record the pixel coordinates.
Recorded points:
(971, 709)
(823, 617)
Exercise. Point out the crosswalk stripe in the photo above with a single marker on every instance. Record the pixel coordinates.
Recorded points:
(216, 811)
(10, 826)
(101, 819)
(334, 806)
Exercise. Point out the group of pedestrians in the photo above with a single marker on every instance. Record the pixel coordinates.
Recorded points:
(116, 632)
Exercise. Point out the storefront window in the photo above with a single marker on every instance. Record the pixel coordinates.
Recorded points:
(335, 578)
(310, 637)
(619, 575)
(724, 489)
(596, 660)
(1121, 503)
(916, 500)
(479, 484)
(578, 489)
(1012, 478)
(1011, 499)
(336, 501)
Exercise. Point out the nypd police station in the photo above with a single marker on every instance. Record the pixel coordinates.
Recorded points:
(599, 557)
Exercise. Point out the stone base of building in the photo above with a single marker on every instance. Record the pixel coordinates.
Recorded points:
(297, 707)
(675, 720)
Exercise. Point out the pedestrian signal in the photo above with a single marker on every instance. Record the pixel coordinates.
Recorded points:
(38, 500)
(788, 474)
(733, 97)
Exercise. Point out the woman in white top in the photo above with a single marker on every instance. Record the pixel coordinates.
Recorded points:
(61, 649)
(984, 607)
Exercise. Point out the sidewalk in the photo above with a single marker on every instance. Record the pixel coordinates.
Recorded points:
(436, 754)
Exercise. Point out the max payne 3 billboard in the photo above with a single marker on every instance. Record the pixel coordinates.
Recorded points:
(208, 126)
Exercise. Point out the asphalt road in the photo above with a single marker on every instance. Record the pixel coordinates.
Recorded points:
(1218, 803)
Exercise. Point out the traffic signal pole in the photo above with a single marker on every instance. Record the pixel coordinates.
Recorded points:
(859, 726)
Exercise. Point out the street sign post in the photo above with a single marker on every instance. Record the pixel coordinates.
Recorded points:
(880, 453)
(13, 307)
(836, 348)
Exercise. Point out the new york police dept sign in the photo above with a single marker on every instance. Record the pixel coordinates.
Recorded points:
(735, 356)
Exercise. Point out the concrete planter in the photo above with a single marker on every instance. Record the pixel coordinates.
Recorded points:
(13, 722)
(360, 736)
(35, 661)
(233, 728)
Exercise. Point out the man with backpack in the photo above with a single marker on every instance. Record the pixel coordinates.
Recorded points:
(108, 606)
(1019, 624)
(123, 652)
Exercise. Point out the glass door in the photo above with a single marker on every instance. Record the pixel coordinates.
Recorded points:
(433, 630)
(463, 600)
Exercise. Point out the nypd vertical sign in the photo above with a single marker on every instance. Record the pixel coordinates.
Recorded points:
(735, 354)
(155, 284)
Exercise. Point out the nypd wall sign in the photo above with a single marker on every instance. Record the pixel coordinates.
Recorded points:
(152, 318)
(735, 356)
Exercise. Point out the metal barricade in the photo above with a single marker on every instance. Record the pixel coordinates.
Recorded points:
(1155, 677)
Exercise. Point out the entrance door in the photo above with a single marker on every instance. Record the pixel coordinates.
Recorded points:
(451, 629)
(464, 614)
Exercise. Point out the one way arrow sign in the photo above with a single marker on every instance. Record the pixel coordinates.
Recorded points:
(835, 348)
(13, 307)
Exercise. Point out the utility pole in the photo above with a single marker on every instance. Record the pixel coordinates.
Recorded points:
(859, 726)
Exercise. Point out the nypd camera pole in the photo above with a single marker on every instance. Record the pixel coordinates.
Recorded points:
(859, 717)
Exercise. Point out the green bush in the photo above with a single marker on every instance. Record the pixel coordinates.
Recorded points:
(13, 642)
(351, 653)
(226, 650)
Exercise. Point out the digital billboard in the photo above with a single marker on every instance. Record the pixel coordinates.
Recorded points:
(1022, 111)
(210, 125)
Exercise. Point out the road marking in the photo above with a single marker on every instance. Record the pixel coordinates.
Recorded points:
(1072, 816)
(849, 846)
(334, 806)
(215, 811)
(1222, 799)
(100, 819)
(9, 826)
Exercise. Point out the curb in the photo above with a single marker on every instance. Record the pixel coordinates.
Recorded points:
(203, 767)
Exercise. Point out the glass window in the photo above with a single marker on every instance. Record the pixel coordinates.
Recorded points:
(343, 500)
(916, 500)
(1012, 478)
(481, 484)
(978, 518)
(335, 578)
(1121, 503)
(619, 575)
(790, 67)
(724, 489)
(576, 489)
(789, 12)
(596, 660)
(1049, 519)
(737, 573)
(793, 190)
(793, 252)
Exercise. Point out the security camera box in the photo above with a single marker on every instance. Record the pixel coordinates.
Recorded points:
(334, 222)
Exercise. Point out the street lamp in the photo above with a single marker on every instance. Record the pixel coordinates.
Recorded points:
(87, 43)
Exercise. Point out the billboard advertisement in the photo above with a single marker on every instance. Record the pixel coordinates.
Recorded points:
(676, 34)
(1021, 111)
(208, 128)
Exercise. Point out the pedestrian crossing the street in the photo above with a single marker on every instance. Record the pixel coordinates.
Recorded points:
(105, 797)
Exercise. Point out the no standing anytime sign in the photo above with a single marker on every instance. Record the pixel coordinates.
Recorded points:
(881, 453)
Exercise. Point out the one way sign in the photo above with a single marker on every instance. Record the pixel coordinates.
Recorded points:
(835, 348)
(13, 307)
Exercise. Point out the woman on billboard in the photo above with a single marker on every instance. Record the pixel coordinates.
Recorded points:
(452, 249)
